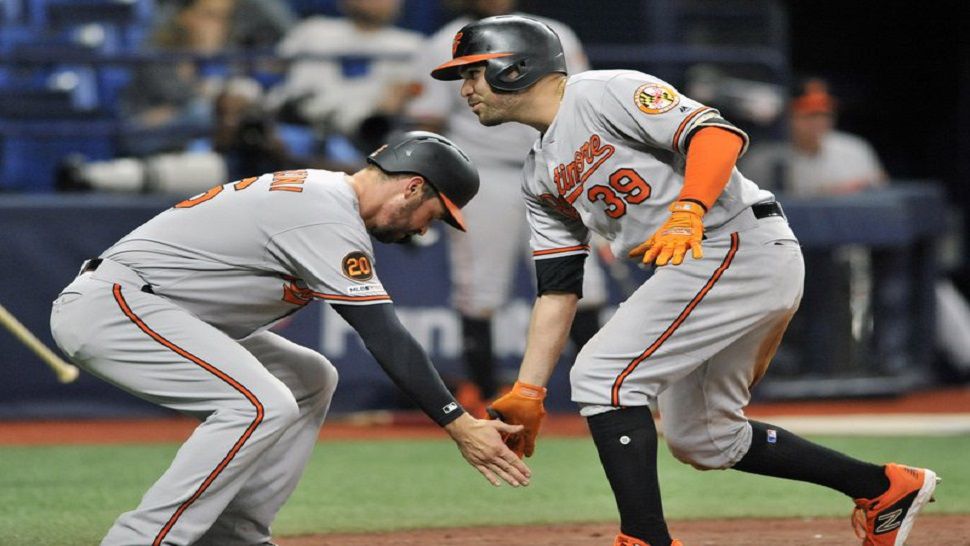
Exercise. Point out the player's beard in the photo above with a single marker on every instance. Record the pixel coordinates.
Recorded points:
(395, 230)
(495, 113)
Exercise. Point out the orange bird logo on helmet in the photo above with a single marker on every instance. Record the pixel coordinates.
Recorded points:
(454, 44)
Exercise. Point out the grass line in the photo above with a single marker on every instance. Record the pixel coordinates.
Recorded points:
(69, 495)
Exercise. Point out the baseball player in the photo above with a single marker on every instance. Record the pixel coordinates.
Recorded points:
(176, 313)
(485, 259)
(625, 155)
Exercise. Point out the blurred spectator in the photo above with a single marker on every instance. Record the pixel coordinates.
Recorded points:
(253, 24)
(168, 102)
(818, 160)
(190, 121)
(245, 140)
(360, 83)
(821, 161)
(485, 259)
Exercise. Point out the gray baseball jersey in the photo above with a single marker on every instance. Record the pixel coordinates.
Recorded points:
(613, 161)
(696, 335)
(190, 293)
(232, 257)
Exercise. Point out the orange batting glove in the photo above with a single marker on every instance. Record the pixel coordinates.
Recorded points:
(682, 231)
(521, 406)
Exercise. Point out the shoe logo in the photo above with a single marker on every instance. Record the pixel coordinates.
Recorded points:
(888, 521)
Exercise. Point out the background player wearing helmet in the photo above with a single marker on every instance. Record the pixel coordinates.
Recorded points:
(484, 261)
(623, 154)
(176, 312)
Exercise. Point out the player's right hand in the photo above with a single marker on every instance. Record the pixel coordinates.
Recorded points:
(480, 443)
(683, 231)
(521, 406)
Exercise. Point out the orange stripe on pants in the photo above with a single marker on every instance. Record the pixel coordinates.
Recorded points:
(126, 309)
(615, 393)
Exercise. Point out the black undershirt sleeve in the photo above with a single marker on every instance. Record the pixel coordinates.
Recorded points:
(563, 274)
(402, 358)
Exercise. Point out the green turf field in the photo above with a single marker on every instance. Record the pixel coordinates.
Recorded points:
(68, 496)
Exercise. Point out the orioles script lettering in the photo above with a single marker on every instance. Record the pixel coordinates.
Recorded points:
(569, 177)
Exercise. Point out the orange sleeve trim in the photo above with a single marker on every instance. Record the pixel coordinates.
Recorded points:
(341, 297)
(560, 250)
(694, 302)
(684, 124)
(711, 157)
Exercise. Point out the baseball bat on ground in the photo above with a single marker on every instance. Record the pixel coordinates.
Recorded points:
(66, 373)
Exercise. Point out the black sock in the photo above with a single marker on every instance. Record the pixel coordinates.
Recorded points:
(627, 443)
(778, 453)
(476, 335)
(585, 325)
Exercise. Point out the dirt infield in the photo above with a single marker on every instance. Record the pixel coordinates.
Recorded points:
(929, 530)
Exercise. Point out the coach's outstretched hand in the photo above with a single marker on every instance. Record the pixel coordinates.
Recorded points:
(480, 442)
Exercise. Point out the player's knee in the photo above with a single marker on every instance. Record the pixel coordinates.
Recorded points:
(280, 408)
(689, 452)
(324, 380)
(319, 376)
(703, 448)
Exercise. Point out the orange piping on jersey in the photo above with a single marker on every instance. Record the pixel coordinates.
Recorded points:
(297, 189)
(710, 160)
(685, 123)
(120, 299)
(341, 297)
(615, 394)
(560, 250)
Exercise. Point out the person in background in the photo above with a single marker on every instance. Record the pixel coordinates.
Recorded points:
(170, 102)
(818, 160)
(821, 161)
(360, 83)
(485, 259)
(192, 121)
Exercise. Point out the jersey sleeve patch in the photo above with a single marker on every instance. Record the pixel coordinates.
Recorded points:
(655, 98)
(357, 266)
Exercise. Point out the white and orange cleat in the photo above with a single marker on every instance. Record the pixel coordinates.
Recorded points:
(887, 519)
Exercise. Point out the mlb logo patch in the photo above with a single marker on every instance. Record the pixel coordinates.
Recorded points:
(772, 436)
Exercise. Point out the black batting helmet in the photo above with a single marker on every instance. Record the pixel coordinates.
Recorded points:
(516, 51)
(448, 169)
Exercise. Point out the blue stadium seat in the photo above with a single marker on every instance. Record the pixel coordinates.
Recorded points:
(12, 12)
(298, 140)
(31, 150)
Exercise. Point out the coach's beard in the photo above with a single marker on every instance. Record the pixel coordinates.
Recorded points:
(388, 236)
